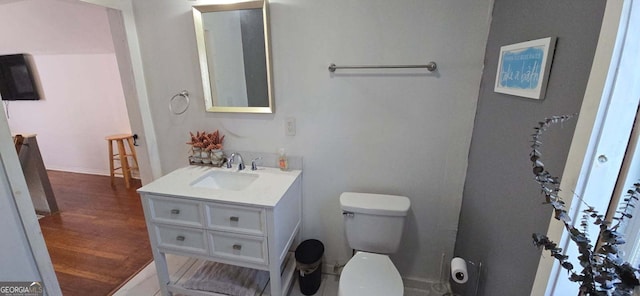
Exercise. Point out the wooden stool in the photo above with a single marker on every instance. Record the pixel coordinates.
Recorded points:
(123, 157)
(17, 141)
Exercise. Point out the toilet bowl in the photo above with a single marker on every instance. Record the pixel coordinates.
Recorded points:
(370, 274)
(373, 226)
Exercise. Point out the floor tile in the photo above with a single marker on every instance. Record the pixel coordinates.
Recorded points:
(146, 283)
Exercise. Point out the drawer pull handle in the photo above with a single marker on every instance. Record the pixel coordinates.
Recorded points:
(234, 218)
(180, 238)
(237, 247)
(175, 212)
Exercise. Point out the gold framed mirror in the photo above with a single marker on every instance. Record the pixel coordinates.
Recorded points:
(235, 56)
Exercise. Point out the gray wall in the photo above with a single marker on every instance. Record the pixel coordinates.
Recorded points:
(501, 203)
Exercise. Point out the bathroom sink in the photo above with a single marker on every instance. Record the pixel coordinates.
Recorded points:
(225, 180)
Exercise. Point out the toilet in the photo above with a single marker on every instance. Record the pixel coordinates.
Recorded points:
(373, 227)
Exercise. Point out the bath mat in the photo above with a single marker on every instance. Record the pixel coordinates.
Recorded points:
(228, 279)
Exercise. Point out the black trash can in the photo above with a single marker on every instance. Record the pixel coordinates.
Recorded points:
(309, 263)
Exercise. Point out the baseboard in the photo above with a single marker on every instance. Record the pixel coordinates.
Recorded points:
(332, 269)
(425, 286)
(419, 284)
(79, 170)
(135, 175)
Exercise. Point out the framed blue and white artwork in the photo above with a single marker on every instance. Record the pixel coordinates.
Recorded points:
(523, 68)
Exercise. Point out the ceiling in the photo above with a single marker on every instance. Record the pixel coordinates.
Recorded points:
(2, 2)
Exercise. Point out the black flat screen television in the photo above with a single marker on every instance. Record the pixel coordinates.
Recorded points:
(16, 79)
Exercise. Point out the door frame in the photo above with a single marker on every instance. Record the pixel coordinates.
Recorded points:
(127, 48)
(10, 166)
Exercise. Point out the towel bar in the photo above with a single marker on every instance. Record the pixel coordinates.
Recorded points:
(431, 66)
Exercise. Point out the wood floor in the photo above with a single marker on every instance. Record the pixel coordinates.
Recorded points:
(99, 239)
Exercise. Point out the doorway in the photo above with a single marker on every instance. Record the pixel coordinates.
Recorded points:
(134, 93)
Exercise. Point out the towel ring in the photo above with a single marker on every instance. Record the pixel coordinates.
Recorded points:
(184, 94)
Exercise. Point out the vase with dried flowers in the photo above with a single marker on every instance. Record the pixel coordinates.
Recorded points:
(602, 270)
(206, 148)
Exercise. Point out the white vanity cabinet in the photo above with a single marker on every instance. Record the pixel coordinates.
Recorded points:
(254, 227)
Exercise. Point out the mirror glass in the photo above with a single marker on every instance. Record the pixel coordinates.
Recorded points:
(233, 50)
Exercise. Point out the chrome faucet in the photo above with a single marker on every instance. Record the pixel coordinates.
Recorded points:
(254, 165)
(232, 157)
(229, 162)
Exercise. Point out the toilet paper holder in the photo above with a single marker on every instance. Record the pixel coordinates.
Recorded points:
(460, 275)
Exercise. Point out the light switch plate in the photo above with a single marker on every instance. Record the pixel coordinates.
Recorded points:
(290, 126)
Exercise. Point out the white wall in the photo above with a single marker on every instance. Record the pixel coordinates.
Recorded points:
(82, 94)
(381, 131)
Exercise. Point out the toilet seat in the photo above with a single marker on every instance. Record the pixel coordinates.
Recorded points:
(370, 274)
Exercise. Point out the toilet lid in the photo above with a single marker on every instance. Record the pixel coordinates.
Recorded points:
(370, 274)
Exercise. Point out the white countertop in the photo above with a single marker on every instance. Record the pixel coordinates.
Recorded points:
(266, 190)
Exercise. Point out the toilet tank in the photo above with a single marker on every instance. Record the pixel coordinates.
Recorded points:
(374, 222)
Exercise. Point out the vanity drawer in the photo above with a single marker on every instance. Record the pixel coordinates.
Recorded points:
(235, 219)
(181, 239)
(175, 211)
(238, 247)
